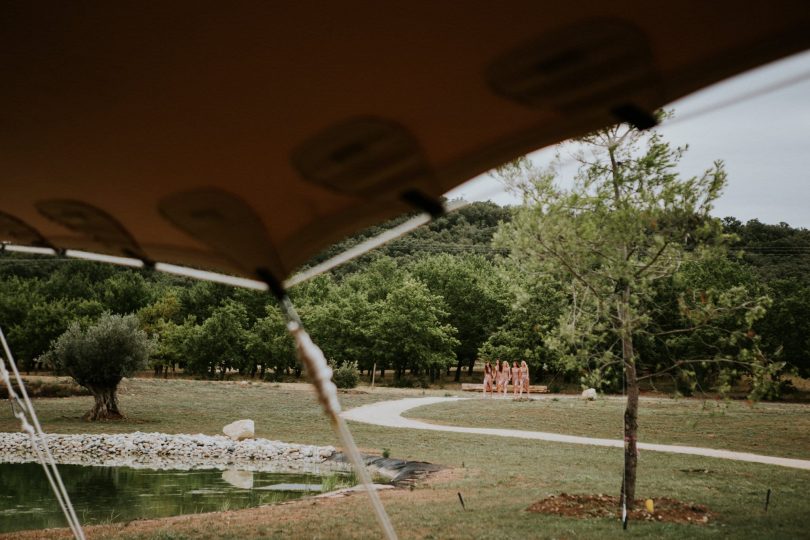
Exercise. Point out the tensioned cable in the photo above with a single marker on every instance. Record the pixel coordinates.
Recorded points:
(741, 98)
(38, 440)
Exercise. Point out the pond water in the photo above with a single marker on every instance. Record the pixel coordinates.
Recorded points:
(108, 494)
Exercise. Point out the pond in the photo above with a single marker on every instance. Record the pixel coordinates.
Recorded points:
(111, 494)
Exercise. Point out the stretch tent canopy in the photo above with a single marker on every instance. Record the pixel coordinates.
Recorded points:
(244, 137)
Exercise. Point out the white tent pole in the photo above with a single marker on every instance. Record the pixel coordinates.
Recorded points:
(320, 374)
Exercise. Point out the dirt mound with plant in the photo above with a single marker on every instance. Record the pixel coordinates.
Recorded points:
(607, 506)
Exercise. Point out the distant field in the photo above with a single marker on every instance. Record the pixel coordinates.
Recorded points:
(498, 477)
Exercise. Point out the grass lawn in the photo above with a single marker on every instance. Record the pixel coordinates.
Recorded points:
(775, 429)
(498, 477)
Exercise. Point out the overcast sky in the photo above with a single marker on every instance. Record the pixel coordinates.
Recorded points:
(764, 141)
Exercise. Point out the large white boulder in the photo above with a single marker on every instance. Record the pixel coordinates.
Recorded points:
(239, 430)
(589, 394)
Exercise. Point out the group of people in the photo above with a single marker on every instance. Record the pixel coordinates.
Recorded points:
(497, 378)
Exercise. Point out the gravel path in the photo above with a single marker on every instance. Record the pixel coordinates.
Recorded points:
(389, 414)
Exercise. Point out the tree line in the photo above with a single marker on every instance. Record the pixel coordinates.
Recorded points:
(411, 309)
(426, 305)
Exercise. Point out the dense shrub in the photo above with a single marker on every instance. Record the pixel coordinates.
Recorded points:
(346, 376)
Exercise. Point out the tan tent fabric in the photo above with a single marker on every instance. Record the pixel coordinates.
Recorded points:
(239, 136)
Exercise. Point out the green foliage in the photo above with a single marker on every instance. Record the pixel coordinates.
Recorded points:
(626, 229)
(99, 356)
(219, 343)
(409, 332)
(45, 321)
(346, 375)
(535, 305)
(473, 293)
(103, 353)
(493, 305)
(780, 256)
(269, 345)
(468, 230)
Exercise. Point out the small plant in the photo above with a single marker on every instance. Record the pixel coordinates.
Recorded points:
(334, 481)
(347, 375)
(386, 453)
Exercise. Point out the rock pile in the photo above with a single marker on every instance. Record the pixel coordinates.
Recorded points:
(164, 451)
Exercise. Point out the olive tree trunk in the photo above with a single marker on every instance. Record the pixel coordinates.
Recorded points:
(106, 405)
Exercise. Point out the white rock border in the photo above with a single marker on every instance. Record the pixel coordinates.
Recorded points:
(163, 451)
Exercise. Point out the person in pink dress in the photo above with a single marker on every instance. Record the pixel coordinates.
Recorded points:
(516, 381)
(488, 376)
(503, 374)
(524, 378)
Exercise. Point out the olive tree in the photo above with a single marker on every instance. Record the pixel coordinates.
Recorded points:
(99, 356)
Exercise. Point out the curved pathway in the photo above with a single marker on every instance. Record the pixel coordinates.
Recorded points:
(389, 414)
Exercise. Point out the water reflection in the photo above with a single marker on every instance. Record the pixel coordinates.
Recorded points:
(104, 494)
(240, 479)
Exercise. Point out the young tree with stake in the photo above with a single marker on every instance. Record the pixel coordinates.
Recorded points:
(627, 221)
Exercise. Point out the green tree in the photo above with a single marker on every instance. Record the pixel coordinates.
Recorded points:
(343, 323)
(43, 322)
(786, 326)
(473, 295)
(125, 292)
(535, 305)
(269, 345)
(702, 323)
(409, 332)
(99, 356)
(627, 222)
(219, 344)
(159, 320)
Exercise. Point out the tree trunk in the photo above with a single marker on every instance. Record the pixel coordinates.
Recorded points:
(631, 408)
(457, 378)
(630, 435)
(106, 406)
(470, 367)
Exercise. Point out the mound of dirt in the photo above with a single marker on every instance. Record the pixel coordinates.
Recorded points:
(607, 506)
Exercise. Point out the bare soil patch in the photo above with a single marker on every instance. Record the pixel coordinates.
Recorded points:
(608, 506)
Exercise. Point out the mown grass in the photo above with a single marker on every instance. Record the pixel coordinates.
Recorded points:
(778, 429)
(498, 477)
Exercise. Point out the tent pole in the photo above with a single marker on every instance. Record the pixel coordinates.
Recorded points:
(320, 374)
